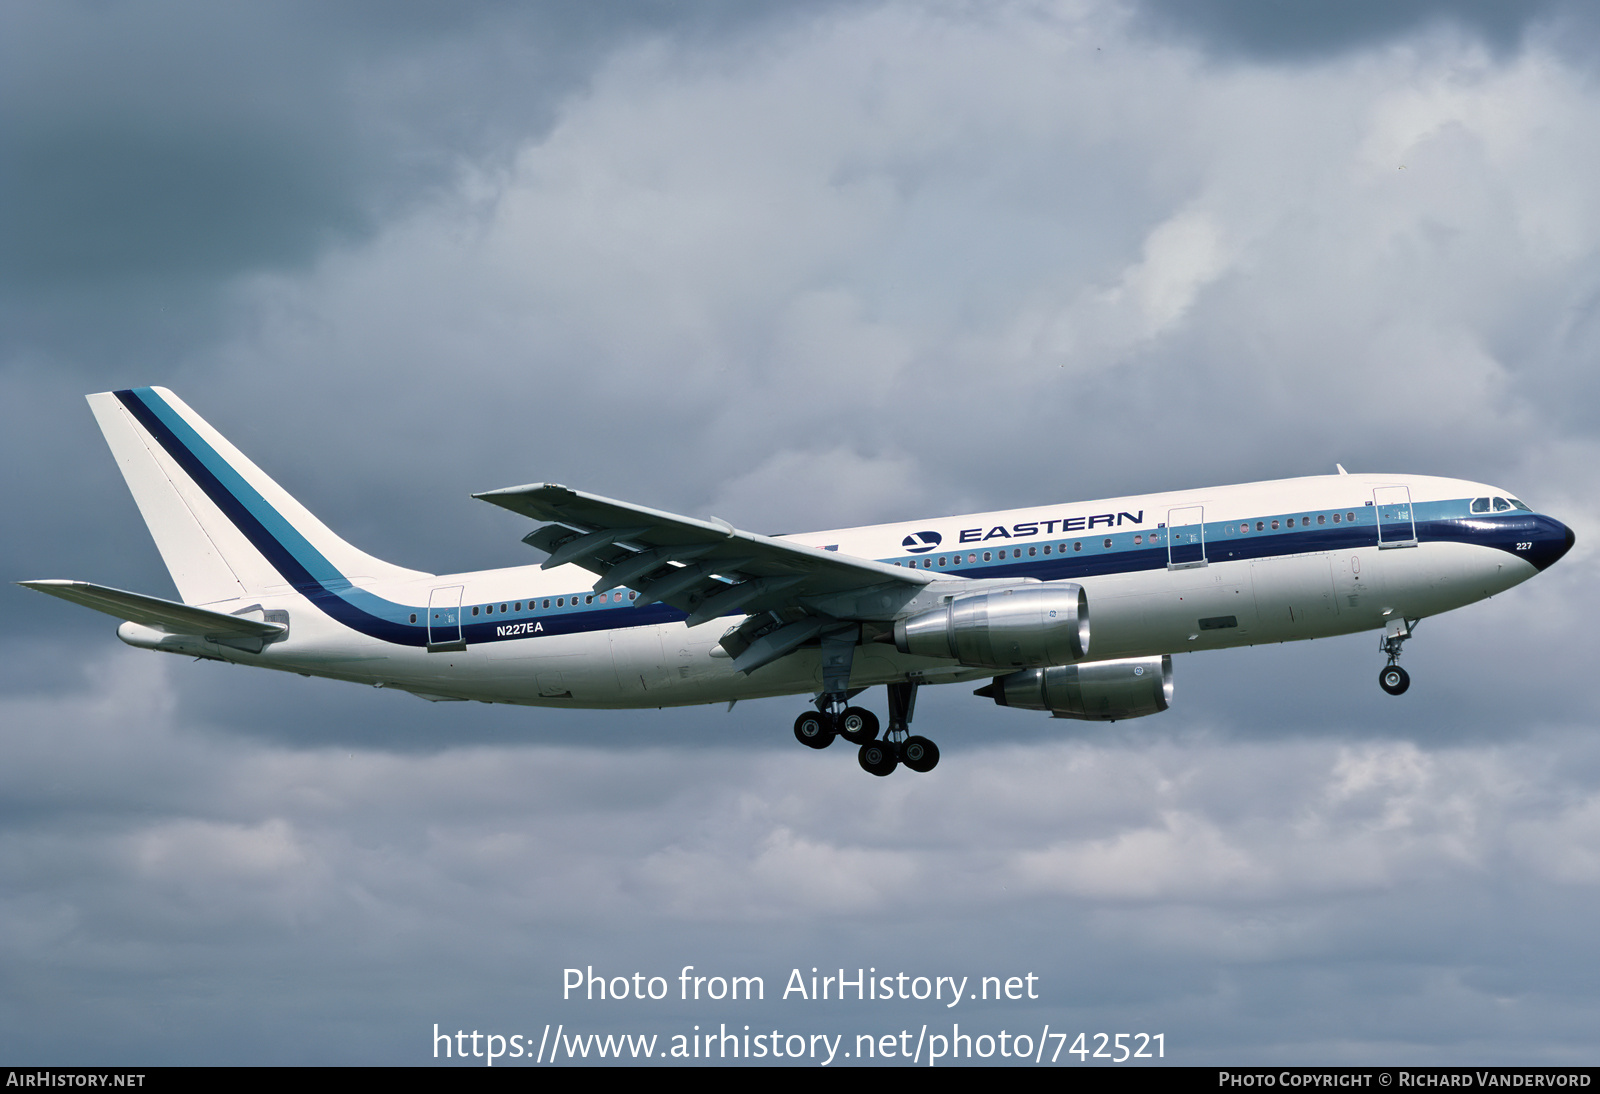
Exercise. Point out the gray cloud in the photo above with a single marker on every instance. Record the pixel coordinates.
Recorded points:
(1194, 887)
(1297, 32)
(153, 153)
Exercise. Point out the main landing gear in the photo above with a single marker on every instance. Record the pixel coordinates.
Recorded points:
(859, 726)
(1394, 679)
(817, 728)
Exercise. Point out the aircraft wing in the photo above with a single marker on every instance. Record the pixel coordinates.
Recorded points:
(152, 611)
(706, 568)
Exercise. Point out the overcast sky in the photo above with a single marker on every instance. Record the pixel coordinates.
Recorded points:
(799, 266)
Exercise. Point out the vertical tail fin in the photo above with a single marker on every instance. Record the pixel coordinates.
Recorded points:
(223, 527)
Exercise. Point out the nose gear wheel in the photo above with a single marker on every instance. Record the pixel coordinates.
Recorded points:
(1394, 679)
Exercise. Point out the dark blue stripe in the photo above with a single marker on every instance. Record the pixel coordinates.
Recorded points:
(329, 590)
(330, 600)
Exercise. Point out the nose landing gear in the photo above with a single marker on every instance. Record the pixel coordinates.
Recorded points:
(1394, 679)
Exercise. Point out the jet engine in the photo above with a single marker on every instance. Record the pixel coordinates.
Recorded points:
(1045, 624)
(1101, 691)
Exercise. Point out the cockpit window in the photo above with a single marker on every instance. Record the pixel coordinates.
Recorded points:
(1480, 505)
(1519, 505)
(1501, 505)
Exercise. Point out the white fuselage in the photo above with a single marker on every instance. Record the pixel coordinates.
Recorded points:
(1163, 573)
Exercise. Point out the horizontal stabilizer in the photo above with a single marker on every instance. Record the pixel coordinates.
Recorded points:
(152, 611)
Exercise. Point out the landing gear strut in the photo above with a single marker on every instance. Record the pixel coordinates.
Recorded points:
(917, 753)
(1394, 679)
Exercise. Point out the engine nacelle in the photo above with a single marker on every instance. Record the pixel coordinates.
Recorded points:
(1101, 691)
(1044, 624)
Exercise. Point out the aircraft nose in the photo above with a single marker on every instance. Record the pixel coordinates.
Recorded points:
(1554, 545)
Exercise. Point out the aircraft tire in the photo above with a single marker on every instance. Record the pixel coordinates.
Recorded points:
(878, 758)
(858, 725)
(1394, 679)
(813, 729)
(919, 754)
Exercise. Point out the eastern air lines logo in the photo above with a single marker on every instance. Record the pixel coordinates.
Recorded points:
(918, 542)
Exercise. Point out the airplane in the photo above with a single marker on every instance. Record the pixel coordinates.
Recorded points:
(633, 607)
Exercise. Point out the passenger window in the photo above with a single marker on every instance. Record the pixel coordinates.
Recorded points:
(1322, 518)
(1077, 545)
(1260, 526)
(1243, 528)
(589, 599)
(1136, 541)
(1046, 548)
(1033, 552)
(413, 617)
(1108, 544)
(927, 564)
(503, 609)
(972, 557)
(474, 609)
(1274, 526)
(547, 602)
(987, 557)
(1336, 518)
(1349, 516)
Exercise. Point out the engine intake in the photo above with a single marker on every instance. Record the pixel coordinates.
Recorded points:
(1045, 624)
(1101, 691)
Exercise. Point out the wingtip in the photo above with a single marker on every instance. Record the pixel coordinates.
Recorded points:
(491, 495)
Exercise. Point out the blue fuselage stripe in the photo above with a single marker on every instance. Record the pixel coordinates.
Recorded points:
(311, 574)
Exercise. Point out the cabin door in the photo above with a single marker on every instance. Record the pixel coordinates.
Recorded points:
(1186, 538)
(1396, 527)
(444, 618)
